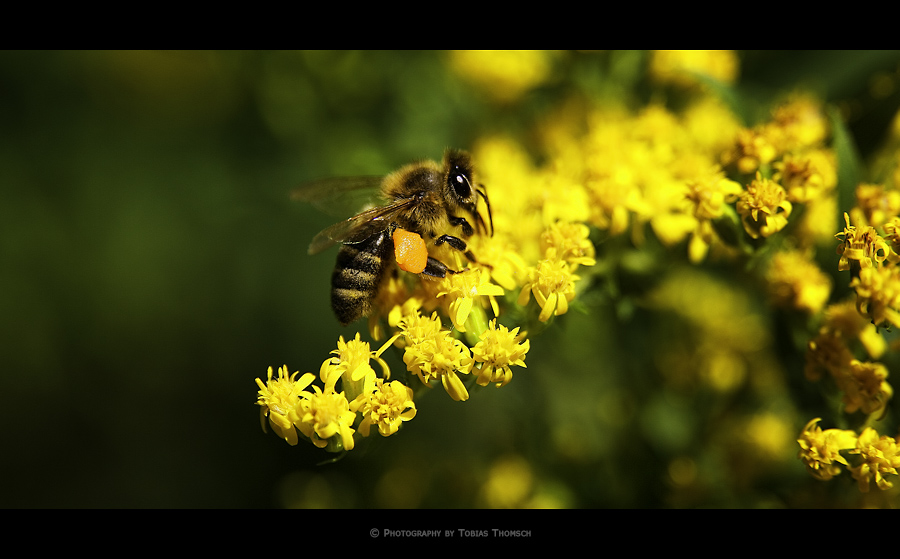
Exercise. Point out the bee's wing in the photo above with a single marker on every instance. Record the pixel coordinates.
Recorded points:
(359, 227)
(340, 196)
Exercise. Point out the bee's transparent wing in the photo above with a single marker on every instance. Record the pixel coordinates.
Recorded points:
(340, 196)
(359, 227)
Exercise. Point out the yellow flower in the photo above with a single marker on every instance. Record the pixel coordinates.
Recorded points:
(877, 203)
(820, 450)
(352, 362)
(433, 353)
(865, 387)
(498, 349)
(681, 66)
(553, 286)
(280, 400)
(462, 288)
(568, 241)
(573, 205)
(393, 301)
(506, 75)
(795, 281)
(799, 123)
(416, 328)
(708, 197)
(892, 236)
(388, 407)
(711, 125)
(828, 352)
(878, 294)
(860, 245)
(806, 176)
(816, 225)
(508, 268)
(764, 208)
(880, 457)
(752, 149)
(326, 414)
(611, 200)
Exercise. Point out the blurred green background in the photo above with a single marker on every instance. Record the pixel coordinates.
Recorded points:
(152, 266)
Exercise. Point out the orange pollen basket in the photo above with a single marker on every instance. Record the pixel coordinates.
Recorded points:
(410, 251)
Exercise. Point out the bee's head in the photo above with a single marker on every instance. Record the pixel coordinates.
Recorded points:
(462, 191)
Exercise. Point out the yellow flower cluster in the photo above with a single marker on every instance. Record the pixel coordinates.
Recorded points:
(319, 415)
(868, 250)
(606, 172)
(864, 389)
(872, 258)
(878, 456)
(797, 126)
(693, 182)
(327, 417)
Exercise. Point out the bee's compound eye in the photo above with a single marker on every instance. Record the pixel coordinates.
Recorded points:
(460, 184)
(410, 251)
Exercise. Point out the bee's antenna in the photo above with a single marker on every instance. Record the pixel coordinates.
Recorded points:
(488, 203)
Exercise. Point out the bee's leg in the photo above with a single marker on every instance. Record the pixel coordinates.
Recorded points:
(437, 269)
(464, 223)
(456, 243)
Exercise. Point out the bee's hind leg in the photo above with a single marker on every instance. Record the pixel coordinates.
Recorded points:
(437, 269)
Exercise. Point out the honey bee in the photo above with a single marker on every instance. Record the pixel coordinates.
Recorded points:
(420, 204)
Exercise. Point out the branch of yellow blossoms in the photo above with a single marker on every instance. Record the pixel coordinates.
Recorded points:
(871, 260)
(820, 451)
(327, 417)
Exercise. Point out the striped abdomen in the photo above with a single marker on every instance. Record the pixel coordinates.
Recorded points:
(360, 269)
